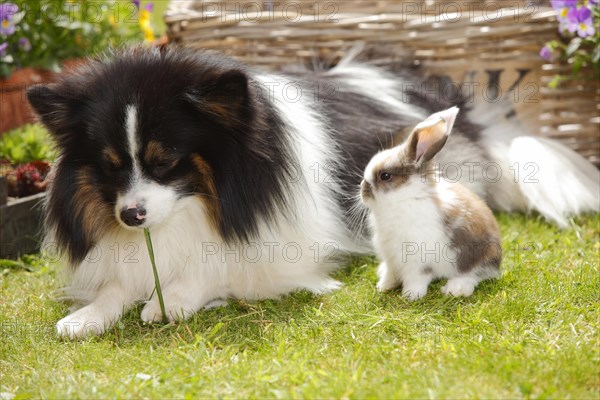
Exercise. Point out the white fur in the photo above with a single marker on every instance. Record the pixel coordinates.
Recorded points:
(380, 85)
(409, 235)
(316, 160)
(408, 230)
(195, 268)
(556, 181)
(133, 140)
(158, 200)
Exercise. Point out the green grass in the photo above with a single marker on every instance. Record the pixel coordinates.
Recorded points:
(532, 333)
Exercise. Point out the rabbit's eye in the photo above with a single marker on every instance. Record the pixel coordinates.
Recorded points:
(385, 176)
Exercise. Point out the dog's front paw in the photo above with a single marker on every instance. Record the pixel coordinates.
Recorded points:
(83, 322)
(175, 312)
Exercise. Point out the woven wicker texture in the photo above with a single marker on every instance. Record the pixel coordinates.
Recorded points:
(489, 48)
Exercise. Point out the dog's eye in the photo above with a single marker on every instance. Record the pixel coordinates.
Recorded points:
(110, 161)
(109, 167)
(385, 176)
(161, 168)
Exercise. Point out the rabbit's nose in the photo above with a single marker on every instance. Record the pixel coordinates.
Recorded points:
(366, 191)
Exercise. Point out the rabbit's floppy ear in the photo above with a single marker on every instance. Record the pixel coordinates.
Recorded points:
(429, 136)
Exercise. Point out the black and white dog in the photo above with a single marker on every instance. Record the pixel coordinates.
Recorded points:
(247, 179)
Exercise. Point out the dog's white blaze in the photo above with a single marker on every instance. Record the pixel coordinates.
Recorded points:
(158, 200)
(132, 140)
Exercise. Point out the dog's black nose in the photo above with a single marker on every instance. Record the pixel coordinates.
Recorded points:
(133, 216)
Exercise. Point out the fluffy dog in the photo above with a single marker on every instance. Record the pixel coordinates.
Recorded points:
(246, 179)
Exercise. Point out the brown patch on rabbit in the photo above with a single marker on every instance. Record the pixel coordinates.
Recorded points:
(474, 230)
(389, 176)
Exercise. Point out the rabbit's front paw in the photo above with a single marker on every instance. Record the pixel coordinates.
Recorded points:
(414, 292)
(387, 278)
(460, 286)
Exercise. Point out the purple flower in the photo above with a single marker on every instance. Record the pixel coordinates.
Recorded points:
(136, 3)
(557, 4)
(149, 7)
(3, 48)
(562, 8)
(580, 20)
(546, 53)
(7, 10)
(594, 2)
(24, 44)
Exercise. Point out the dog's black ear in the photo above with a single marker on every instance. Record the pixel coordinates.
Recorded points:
(58, 108)
(225, 96)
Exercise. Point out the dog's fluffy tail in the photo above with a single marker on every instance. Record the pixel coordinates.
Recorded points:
(541, 174)
(555, 180)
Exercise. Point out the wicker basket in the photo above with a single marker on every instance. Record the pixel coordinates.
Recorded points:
(490, 46)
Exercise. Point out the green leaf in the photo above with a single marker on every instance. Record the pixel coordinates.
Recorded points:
(596, 55)
(555, 45)
(578, 62)
(18, 154)
(16, 265)
(573, 46)
(555, 82)
(5, 70)
(28, 143)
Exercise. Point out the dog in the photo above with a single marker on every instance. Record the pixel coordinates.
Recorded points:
(247, 180)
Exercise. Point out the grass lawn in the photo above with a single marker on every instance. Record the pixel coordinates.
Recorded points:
(532, 333)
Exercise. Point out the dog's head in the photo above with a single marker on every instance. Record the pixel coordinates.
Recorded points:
(145, 128)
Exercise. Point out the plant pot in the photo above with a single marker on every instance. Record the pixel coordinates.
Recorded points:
(15, 109)
(20, 224)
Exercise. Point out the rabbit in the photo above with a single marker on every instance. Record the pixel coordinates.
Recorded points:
(424, 227)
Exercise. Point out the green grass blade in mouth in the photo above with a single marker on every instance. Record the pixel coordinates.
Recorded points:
(156, 279)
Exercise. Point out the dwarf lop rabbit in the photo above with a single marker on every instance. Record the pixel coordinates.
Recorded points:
(423, 226)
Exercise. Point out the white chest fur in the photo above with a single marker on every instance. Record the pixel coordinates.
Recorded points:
(409, 232)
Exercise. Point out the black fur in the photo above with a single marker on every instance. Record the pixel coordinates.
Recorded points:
(177, 92)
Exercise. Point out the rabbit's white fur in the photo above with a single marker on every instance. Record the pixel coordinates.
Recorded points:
(409, 225)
